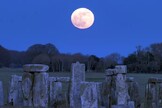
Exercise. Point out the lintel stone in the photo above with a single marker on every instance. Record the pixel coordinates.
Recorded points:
(35, 68)
(121, 69)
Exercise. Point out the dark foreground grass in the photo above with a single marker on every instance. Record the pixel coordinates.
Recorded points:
(5, 76)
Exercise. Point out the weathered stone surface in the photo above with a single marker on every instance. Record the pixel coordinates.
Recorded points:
(121, 89)
(40, 90)
(55, 91)
(52, 79)
(119, 106)
(62, 79)
(160, 95)
(89, 95)
(15, 92)
(1, 94)
(105, 94)
(35, 89)
(78, 75)
(110, 72)
(121, 69)
(130, 79)
(151, 95)
(133, 91)
(35, 68)
(131, 104)
(58, 99)
(27, 88)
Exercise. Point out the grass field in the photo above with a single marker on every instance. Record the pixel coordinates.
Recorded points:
(5, 76)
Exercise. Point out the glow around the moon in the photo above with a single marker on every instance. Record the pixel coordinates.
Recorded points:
(82, 18)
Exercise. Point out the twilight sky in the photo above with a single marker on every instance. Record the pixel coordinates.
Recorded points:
(120, 25)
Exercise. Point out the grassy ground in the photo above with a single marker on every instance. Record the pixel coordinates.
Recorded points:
(5, 76)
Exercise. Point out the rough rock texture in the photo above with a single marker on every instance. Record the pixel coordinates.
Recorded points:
(35, 68)
(110, 72)
(121, 90)
(78, 75)
(105, 94)
(55, 91)
(119, 106)
(160, 95)
(131, 104)
(152, 93)
(89, 95)
(133, 91)
(121, 69)
(15, 92)
(57, 97)
(35, 85)
(1, 94)
(27, 88)
(63, 79)
(40, 90)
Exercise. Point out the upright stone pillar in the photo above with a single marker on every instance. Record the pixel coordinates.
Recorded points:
(121, 85)
(152, 93)
(89, 95)
(59, 92)
(1, 94)
(78, 75)
(15, 92)
(35, 85)
(160, 94)
(109, 88)
(133, 91)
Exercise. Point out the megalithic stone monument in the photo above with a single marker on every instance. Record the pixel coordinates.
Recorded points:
(15, 92)
(89, 94)
(121, 85)
(35, 85)
(78, 75)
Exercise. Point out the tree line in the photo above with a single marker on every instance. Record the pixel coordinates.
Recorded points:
(143, 60)
(48, 54)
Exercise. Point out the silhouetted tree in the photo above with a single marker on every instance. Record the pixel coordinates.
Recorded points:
(38, 49)
(112, 60)
(42, 59)
(5, 58)
(92, 62)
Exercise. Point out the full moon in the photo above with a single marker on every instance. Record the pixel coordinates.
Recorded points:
(82, 18)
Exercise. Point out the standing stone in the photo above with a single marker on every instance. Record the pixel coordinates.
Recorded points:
(40, 90)
(15, 93)
(131, 104)
(110, 88)
(78, 75)
(119, 106)
(121, 90)
(109, 73)
(27, 88)
(121, 85)
(1, 94)
(152, 93)
(35, 85)
(52, 88)
(121, 69)
(105, 94)
(58, 97)
(133, 91)
(55, 91)
(89, 95)
(160, 94)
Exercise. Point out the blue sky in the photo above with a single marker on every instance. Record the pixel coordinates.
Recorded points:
(120, 25)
